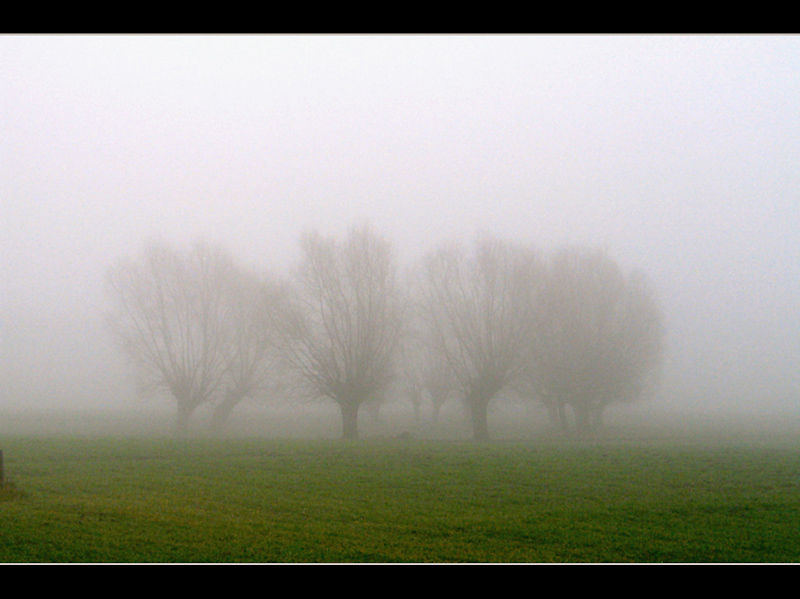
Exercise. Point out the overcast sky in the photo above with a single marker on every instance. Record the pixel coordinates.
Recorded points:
(679, 154)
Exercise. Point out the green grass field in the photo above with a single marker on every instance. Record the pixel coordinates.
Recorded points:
(145, 500)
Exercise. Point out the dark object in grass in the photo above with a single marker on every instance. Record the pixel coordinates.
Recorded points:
(9, 491)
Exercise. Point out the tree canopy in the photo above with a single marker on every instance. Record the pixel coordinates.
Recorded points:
(169, 313)
(342, 332)
(598, 336)
(476, 305)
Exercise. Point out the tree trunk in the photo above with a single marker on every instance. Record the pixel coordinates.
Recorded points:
(561, 411)
(587, 418)
(349, 420)
(416, 412)
(185, 411)
(557, 415)
(597, 418)
(581, 418)
(222, 412)
(437, 407)
(480, 422)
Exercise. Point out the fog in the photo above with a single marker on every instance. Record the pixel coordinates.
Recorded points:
(680, 154)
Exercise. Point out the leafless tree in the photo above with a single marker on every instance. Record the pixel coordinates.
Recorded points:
(411, 384)
(598, 337)
(439, 382)
(476, 306)
(252, 359)
(169, 311)
(423, 370)
(342, 331)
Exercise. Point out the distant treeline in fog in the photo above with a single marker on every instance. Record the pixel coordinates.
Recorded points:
(468, 322)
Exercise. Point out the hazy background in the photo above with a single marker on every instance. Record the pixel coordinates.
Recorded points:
(680, 154)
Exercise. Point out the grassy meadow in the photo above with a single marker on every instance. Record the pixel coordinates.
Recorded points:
(634, 498)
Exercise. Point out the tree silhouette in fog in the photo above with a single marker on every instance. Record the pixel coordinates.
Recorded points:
(169, 314)
(422, 370)
(573, 332)
(252, 359)
(476, 305)
(598, 337)
(342, 329)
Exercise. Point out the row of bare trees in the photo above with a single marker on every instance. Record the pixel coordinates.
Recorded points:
(572, 331)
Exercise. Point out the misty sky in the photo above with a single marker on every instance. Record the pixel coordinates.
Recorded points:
(679, 154)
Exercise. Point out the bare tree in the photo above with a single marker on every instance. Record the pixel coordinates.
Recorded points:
(252, 360)
(424, 371)
(598, 337)
(439, 382)
(342, 333)
(168, 316)
(411, 383)
(476, 306)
